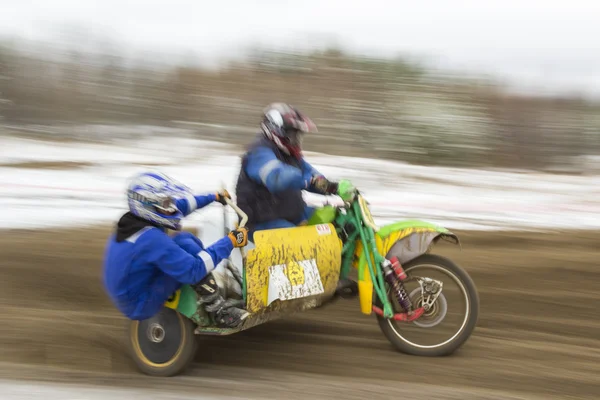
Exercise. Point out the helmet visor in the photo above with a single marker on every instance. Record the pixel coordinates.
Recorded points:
(166, 205)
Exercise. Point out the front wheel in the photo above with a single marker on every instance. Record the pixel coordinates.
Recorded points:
(163, 345)
(433, 334)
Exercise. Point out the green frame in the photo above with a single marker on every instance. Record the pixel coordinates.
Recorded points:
(355, 218)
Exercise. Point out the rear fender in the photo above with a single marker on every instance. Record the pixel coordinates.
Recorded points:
(406, 240)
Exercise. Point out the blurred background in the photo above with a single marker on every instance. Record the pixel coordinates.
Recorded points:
(481, 116)
(462, 84)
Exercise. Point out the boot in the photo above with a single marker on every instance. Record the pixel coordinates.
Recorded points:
(226, 313)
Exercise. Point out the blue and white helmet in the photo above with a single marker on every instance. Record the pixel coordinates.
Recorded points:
(152, 196)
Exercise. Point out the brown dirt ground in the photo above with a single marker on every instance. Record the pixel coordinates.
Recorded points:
(63, 165)
(538, 335)
(47, 165)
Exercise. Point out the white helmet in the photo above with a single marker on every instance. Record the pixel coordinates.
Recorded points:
(152, 196)
(284, 125)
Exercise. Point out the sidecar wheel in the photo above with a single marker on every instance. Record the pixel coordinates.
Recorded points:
(163, 345)
(394, 331)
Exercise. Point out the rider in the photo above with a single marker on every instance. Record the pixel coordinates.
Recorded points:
(274, 173)
(143, 266)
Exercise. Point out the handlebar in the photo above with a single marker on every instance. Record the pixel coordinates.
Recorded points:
(337, 202)
(238, 211)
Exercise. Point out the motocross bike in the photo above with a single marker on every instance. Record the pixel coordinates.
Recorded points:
(296, 269)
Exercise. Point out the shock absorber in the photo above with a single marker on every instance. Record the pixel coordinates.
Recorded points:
(394, 275)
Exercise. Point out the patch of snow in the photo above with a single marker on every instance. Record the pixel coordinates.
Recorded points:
(457, 198)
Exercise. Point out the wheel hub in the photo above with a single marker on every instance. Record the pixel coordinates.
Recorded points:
(156, 333)
(430, 311)
(434, 314)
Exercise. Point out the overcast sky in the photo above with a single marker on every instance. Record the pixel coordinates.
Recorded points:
(554, 43)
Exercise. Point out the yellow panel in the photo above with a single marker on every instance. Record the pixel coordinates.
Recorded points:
(365, 285)
(289, 247)
(389, 241)
(365, 293)
(173, 301)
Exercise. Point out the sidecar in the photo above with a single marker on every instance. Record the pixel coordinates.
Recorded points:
(296, 269)
(283, 271)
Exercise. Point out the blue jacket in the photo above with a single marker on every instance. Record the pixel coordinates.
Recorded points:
(263, 167)
(143, 266)
(270, 184)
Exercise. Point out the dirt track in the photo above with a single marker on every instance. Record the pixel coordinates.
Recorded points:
(538, 336)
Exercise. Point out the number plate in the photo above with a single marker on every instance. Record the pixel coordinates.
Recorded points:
(294, 280)
(366, 212)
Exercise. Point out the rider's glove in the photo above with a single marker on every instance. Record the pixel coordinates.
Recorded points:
(346, 190)
(239, 237)
(221, 196)
(323, 185)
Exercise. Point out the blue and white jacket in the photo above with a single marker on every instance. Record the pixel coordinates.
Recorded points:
(143, 266)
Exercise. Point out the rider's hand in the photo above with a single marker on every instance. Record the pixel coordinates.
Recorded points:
(239, 237)
(221, 196)
(323, 185)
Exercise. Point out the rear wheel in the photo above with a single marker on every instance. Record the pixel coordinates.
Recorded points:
(433, 334)
(163, 345)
